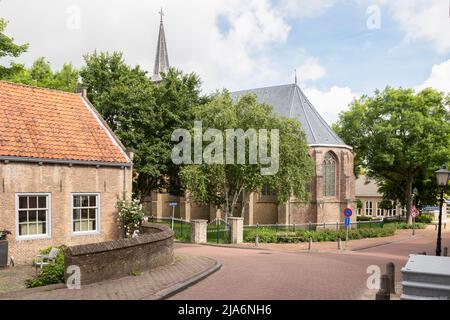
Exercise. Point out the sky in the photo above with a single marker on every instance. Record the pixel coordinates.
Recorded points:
(340, 49)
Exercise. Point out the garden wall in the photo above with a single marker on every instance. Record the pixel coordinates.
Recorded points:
(116, 259)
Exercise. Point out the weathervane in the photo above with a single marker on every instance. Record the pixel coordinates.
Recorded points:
(161, 13)
(295, 71)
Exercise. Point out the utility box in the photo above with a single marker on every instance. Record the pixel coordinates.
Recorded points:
(426, 278)
(3, 253)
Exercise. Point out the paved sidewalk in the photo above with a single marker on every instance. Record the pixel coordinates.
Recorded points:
(151, 285)
(353, 245)
(13, 279)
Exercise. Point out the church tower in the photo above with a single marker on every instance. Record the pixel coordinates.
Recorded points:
(162, 56)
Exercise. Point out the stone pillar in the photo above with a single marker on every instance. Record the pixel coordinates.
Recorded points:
(199, 231)
(283, 213)
(237, 229)
(185, 209)
(159, 205)
(250, 209)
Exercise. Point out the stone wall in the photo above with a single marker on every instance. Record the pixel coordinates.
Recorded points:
(116, 259)
(60, 181)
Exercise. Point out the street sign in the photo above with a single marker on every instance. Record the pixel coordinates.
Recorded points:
(414, 212)
(173, 204)
(348, 221)
(348, 212)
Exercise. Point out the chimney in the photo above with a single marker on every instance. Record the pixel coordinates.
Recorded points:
(130, 153)
(82, 91)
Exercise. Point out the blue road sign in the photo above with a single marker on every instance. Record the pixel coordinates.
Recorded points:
(173, 204)
(348, 212)
(347, 221)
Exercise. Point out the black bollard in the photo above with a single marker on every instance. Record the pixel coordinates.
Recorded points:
(384, 292)
(445, 252)
(390, 270)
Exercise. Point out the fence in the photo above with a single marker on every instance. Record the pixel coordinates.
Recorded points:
(218, 230)
(180, 227)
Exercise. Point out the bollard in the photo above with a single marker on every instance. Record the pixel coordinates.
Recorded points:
(310, 244)
(435, 227)
(337, 226)
(339, 243)
(445, 252)
(384, 292)
(390, 270)
(257, 241)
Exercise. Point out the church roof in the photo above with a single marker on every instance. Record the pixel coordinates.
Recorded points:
(290, 101)
(162, 56)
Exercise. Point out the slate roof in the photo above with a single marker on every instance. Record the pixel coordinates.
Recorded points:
(365, 187)
(290, 101)
(42, 123)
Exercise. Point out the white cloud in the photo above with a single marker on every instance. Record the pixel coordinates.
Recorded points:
(237, 58)
(332, 102)
(305, 8)
(439, 78)
(311, 70)
(426, 20)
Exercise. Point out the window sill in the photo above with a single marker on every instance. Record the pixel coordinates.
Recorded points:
(31, 238)
(86, 233)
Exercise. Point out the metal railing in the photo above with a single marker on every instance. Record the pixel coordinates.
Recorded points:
(317, 226)
(181, 227)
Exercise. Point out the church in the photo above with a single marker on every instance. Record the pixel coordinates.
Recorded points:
(332, 188)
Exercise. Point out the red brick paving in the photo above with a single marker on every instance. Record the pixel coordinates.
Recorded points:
(285, 275)
(144, 286)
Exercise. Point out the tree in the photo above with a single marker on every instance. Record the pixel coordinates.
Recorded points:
(143, 115)
(400, 137)
(40, 74)
(222, 182)
(9, 49)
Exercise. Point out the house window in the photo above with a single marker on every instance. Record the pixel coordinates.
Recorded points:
(380, 211)
(267, 190)
(369, 208)
(85, 213)
(33, 216)
(329, 175)
(358, 212)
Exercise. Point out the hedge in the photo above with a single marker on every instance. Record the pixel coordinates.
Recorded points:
(272, 236)
(49, 274)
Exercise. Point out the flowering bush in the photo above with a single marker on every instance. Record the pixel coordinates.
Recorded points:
(4, 234)
(131, 216)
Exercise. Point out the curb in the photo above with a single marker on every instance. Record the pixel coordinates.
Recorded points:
(168, 292)
(19, 293)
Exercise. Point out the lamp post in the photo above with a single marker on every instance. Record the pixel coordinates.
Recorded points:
(442, 178)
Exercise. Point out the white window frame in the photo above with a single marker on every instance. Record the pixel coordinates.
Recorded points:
(369, 209)
(48, 227)
(97, 218)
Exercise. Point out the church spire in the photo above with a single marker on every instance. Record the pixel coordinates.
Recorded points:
(162, 56)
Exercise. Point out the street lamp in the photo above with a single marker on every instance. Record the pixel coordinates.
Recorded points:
(442, 178)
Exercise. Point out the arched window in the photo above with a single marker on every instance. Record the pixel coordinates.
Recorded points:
(329, 175)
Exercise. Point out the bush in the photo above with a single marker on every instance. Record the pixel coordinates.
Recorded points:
(50, 274)
(405, 226)
(131, 215)
(272, 236)
(364, 218)
(424, 219)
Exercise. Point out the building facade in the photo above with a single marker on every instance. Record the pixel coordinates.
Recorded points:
(332, 188)
(62, 171)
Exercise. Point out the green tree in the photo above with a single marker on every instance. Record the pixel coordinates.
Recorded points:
(223, 184)
(142, 114)
(9, 49)
(400, 137)
(40, 74)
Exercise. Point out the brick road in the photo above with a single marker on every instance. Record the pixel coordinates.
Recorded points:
(281, 274)
(144, 286)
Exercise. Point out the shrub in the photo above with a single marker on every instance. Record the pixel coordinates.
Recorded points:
(131, 216)
(424, 219)
(49, 274)
(405, 226)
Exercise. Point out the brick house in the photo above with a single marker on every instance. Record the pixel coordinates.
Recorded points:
(62, 170)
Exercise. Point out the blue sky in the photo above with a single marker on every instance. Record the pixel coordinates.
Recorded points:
(242, 44)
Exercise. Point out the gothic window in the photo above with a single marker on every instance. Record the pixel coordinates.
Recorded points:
(329, 175)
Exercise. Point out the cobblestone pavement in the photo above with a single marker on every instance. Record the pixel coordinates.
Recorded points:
(13, 279)
(283, 274)
(145, 286)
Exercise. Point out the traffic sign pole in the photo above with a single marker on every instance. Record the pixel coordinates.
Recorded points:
(347, 213)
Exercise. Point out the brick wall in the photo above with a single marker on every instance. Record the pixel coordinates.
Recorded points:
(116, 259)
(60, 181)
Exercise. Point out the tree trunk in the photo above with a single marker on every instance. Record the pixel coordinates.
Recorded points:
(409, 185)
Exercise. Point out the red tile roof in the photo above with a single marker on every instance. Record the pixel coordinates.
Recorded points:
(51, 124)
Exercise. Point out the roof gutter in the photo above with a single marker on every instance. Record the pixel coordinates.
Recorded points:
(330, 146)
(66, 162)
